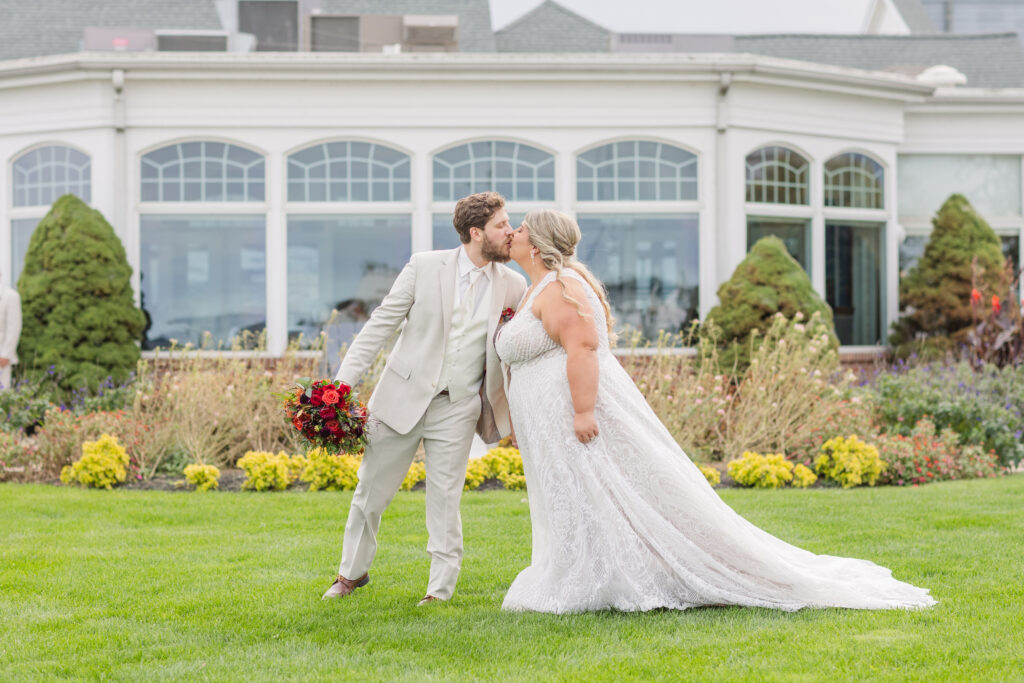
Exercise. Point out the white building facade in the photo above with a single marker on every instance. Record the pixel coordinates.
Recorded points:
(258, 191)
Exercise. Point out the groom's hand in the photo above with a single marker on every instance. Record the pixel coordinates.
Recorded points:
(585, 425)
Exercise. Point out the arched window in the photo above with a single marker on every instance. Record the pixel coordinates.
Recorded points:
(517, 171)
(202, 171)
(348, 172)
(854, 181)
(636, 170)
(44, 174)
(777, 175)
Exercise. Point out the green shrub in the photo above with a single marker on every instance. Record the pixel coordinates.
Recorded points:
(771, 471)
(937, 292)
(768, 281)
(203, 477)
(103, 464)
(982, 405)
(78, 309)
(849, 462)
(329, 472)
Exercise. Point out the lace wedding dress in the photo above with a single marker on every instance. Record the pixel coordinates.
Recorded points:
(628, 522)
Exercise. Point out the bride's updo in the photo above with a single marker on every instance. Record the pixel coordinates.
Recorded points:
(556, 236)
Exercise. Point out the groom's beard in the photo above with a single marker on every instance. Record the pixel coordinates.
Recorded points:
(496, 253)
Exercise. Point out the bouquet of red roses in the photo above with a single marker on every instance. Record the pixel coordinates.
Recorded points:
(327, 414)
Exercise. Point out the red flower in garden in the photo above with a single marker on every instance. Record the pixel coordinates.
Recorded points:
(996, 305)
(975, 296)
(331, 397)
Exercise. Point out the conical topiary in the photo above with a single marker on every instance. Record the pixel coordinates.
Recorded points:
(936, 294)
(766, 282)
(78, 310)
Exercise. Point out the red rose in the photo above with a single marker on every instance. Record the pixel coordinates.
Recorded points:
(328, 413)
(316, 400)
(331, 396)
(334, 426)
(344, 388)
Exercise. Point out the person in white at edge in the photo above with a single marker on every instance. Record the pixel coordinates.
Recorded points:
(441, 383)
(10, 331)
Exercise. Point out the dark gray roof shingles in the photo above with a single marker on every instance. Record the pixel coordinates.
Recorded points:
(988, 61)
(552, 28)
(47, 27)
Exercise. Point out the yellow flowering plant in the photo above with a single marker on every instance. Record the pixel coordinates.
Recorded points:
(713, 476)
(769, 471)
(848, 461)
(203, 477)
(103, 464)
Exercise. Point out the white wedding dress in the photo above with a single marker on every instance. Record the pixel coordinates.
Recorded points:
(628, 522)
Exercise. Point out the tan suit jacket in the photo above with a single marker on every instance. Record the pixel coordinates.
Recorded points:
(423, 297)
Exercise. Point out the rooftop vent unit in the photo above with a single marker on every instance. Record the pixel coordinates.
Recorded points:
(430, 32)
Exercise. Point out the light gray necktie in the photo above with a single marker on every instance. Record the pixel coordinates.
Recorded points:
(469, 297)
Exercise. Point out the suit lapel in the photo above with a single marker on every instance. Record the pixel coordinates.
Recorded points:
(448, 269)
(498, 285)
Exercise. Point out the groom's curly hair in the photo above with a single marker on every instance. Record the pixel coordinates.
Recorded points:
(474, 211)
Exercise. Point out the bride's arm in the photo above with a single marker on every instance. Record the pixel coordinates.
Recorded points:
(572, 326)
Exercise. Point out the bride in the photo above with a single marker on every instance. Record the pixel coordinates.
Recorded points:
(621, 518)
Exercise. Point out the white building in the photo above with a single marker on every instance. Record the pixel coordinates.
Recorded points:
(266, 189)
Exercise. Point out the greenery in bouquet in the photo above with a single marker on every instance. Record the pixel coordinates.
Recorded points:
(328, 415)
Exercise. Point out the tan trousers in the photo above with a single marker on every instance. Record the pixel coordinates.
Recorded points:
(446, 429)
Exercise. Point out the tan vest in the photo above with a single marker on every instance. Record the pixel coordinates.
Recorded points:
(465, 354)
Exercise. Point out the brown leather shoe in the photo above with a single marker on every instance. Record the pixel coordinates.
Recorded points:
(342, 586)
(427, 600)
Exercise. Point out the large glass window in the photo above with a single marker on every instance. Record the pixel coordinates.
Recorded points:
(650, 264)
(636, 170)
(519, 172)
(854, 181)
(795, 233)
(339, 270)
(203, 278)
(854, 280)
(445, 236)
(44, 174)
(202, 172)
(992, 183)
(777, 175)
(348, 172)
(38, 178)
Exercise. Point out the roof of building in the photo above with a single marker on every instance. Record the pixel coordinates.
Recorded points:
(475, 33)
(988, 60)
(31, 29)
(550, 27)
(916, 16)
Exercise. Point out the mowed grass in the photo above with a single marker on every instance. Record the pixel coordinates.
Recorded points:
(136, 585)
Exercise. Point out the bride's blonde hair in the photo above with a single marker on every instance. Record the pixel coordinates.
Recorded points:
(556, 235)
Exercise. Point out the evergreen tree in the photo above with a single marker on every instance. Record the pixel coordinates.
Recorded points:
(936, 294)
(78, 309)
(766, 282)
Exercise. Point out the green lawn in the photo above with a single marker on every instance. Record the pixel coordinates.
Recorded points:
(226, 586)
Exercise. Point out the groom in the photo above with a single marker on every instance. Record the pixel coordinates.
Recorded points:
(442, 382)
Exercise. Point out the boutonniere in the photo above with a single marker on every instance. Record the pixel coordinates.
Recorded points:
(506, 315)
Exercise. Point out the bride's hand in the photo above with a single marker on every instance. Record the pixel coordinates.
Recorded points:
(585, 425)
